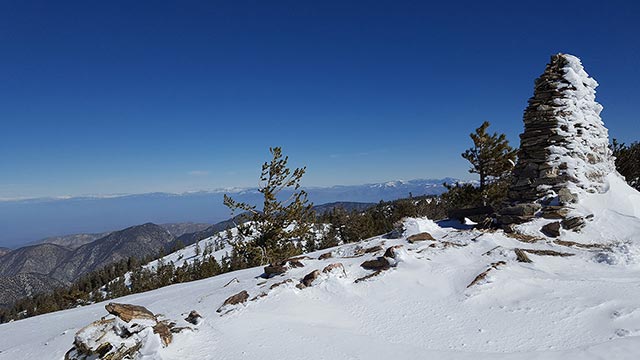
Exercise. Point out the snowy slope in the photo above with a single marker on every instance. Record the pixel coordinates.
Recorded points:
(585, 306)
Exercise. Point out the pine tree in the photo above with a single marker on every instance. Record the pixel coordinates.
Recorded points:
(197, 248)
(491, 157)
(628, 161)
(280, 221)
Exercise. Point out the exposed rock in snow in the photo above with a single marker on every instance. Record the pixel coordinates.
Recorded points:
(193, 318)
(551, 229)
(423, 236)
(333, 268)
(134, 333)
(128, 312)
(309, 279)
(239, 298)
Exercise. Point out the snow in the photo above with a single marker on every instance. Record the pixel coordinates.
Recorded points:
(576, 307)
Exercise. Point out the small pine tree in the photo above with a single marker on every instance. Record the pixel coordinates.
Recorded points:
(280, 221)
(197, 248)
(491, 157)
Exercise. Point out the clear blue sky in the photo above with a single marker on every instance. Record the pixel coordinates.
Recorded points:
(138, 96)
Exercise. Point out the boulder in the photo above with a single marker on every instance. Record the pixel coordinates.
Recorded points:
(280, 283)
(239, 298)
(334, 267)
(524, 209)
(281, 267)
(373, 249)
(381, 263)
(310, 278)
(164, 332)
(554, 212)
(392, 251)
(566, 197)
(128, 312)
(521, 256)
(325, 256)
(551, 229)
(193, 318)
(512, 219)
(574, 223)
(295, 264)
(133, 328)
(272, 270)
(423, 236)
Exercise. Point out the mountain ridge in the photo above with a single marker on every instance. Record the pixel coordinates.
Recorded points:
(27, 221)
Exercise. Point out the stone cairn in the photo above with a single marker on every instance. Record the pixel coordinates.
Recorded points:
(564, 148)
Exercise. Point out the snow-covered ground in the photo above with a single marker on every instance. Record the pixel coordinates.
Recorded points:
(585, 306)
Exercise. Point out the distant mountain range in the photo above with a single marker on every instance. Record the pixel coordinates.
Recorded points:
(38, 268)
(57, 261)
(26, 221)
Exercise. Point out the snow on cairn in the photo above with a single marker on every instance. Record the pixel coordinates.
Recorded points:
(586, 151)
(565, 142)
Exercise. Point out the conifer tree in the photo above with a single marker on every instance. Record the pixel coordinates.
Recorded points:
(491, 157)
(628, 161)
(280, 221)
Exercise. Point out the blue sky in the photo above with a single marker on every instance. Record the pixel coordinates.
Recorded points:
(129, 97)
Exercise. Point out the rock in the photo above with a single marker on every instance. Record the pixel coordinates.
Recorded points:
(551, 229)
(232, 281)
(272, 270)
(134, 328)
(512, 219)
(521, 256)
(380, 263)
(129, 312)
(165, 333)
(392, 251)
(239, 298)
(547, 252)
(85, 340)
(295, 258)
(555, 213)
(373, 249)
(566, 197)
(484, 274)
(281, 267)
(334, 267)
(325, 256)
(367, 277)
(259, 296)
(486, 223)
(525, 209)
(280, 283)
(295, 264)
(574, 223)
(310, 278)
(193, 317)
(423, 236)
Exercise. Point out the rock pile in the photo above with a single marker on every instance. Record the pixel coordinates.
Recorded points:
(564, 148)
(133, 332)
